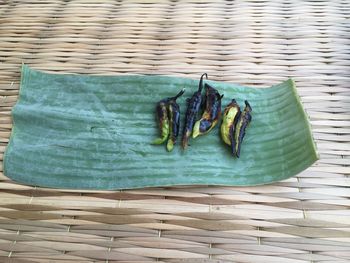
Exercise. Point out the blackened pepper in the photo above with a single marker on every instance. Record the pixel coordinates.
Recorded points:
(174, 121)
(163, 121)
(211, 113)
(243, 122)
(230, 118)
(168, 117)
(193, 107)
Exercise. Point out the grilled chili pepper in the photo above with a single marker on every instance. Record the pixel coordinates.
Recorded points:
(229, 120)
(193, 107)
(174, 119)
(162, 114)
(163, 122)
(211, 113)
(242, 124)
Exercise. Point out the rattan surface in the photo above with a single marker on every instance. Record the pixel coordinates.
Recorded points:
(256, 43)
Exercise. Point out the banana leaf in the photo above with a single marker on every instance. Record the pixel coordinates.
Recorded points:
(94, 132)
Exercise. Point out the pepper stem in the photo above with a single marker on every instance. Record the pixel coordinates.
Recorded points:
(248, 105)
(179, 94)
(200, 87)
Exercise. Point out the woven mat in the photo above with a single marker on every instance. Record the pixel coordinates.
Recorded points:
(256, 43)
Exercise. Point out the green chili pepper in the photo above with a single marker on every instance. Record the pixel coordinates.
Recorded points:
(174, 119)
(211, 113)
(193, 107)
(229, 120)
(163, 121)
(168, 114)
(240, 128)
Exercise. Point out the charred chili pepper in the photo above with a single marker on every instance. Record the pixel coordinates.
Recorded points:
(163, 121)
(174, 119)
(166, 109)
(230, 118)
(211, 113)
(242, 124)
(193, 107)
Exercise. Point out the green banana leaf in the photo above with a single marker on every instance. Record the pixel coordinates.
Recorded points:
(94, 132)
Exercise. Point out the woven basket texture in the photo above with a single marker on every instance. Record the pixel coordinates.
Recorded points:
(256, 43)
